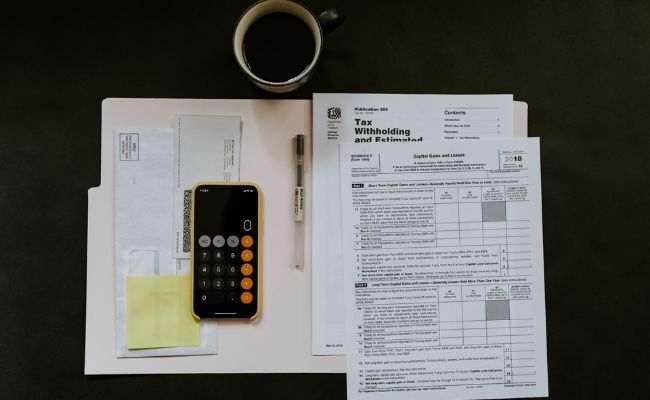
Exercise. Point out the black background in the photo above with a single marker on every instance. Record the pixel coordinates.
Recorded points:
(583, 67)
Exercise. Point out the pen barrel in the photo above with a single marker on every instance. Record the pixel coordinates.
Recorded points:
(298, 204)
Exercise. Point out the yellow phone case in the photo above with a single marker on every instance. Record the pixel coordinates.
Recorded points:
(260, 243)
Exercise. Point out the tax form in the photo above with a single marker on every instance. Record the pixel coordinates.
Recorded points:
(376, 118)
(444, 276)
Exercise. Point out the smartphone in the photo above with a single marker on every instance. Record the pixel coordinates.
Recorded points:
(226, 250)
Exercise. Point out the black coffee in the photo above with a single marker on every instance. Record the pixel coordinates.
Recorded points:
(278, 46)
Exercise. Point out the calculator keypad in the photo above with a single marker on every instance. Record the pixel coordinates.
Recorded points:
(225, 271)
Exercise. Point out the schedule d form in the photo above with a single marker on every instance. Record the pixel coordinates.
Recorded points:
(444, 272)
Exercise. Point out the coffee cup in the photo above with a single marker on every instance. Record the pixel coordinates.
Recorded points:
(274, 38)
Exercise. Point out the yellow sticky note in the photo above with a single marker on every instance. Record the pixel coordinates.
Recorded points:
(159, 312)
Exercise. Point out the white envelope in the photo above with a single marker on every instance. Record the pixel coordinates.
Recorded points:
(143, 222)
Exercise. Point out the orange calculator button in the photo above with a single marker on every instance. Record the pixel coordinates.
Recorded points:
(246, 297)
(246, 269)
(247, 241)
(246, 283)
(247, 255)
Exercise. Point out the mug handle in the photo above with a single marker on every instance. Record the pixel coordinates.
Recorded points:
(330, 20)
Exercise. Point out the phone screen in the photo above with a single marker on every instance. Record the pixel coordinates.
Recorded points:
(225, 251)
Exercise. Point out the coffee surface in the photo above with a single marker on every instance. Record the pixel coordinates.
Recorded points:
(278, 46)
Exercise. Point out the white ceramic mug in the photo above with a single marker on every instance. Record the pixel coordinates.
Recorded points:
(319, 26)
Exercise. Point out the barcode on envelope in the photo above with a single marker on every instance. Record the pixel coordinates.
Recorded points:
(187, 220)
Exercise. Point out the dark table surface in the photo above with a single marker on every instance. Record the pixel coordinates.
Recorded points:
(583, 67)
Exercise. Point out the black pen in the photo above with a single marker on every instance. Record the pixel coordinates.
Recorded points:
(299, 200)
